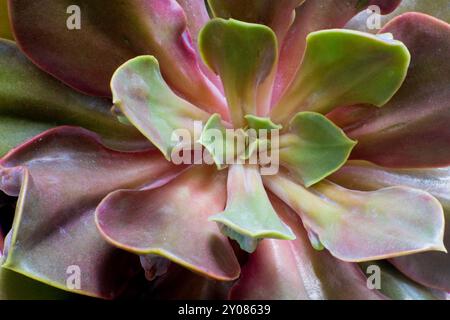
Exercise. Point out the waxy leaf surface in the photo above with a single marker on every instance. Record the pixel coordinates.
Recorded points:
(314, 147)
(432, 269)
(60, 177)
(360, 226)
(142, 95)
(243, 54)
(249, 216)
(344, 67)
(172, 221)
(31, 101)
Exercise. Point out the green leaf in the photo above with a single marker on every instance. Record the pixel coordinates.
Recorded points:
(258, 123)
(31, 101)
(431, 269)
(142, 95)
(249, 216)
(360, 226)
(314, 147)
(243, 54)
(344, 67)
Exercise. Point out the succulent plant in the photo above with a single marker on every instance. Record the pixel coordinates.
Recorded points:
(104, 197)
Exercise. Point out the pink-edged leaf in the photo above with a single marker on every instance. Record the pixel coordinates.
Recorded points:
(431, 269)
(31, 102)
(60, 177)
(361, 226)
(314, 15)
(172, 221)
(111, 32)
(294, 270)
(412, 129)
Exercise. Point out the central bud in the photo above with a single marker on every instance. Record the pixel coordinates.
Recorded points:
(217, 142)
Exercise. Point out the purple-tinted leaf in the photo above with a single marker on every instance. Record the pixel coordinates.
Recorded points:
(60, 176)
(31, 101)
(361, 226)
(172, 221)
(281, 269)
(432, 268)
(110, 33)
(412, 129)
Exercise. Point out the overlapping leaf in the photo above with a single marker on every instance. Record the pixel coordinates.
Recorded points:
(60, 176)
(249, 216)
(110, 33)
(172, 221)
(32, 101)
(243, 54)
(361, 226)
(282, 269)
(432, 268)
(343, 67)
(412, 129)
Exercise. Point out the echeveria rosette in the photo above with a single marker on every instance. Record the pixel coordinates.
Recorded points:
(85, 190)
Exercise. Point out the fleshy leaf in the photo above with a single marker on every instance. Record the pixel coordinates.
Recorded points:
(32, 101)
(243, 54)
(431, 269)
(278, 15)
(110, 33)
(314, 15)
(344, 67)
(249, 216)
(258, 123)
(172, 221)
(143, 96)
(5, 29)
(412, 130)
(60, 176)
(294, 270)
(314, 147)
(360, 226)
